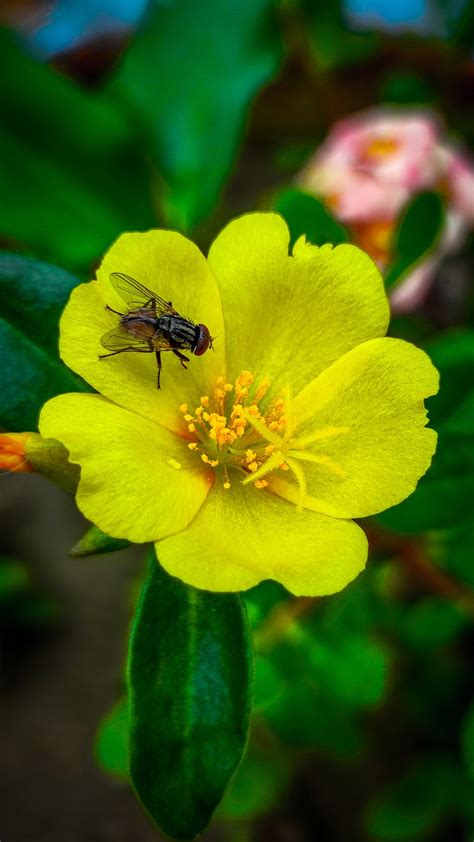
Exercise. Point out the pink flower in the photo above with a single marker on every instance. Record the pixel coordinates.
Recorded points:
(369, 168)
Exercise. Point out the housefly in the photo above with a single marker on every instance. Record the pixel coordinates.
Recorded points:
(152, 325)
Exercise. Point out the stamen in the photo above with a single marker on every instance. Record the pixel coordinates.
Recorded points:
(232, 430)
(320, 458)
(319, 435)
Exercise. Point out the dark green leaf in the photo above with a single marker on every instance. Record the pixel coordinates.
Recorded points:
(94, 541)
(454, 551)
(431, 623)
(418, 233)
(190, 673)
(191, 74)
(443, 497)
(70, 179)
(467, 737)
(307, 716)
(416, 803)
(32, 296)
(406, 89)
(334, 45)
(307, 215)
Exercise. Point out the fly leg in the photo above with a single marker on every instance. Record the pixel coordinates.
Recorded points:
(113, 311)
(181, 357)
(158, 360)
(121, 350)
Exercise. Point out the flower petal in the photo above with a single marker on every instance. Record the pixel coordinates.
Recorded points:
(242, 535)
(363, 420)
(138, 480)
(290, 317)
(170, 265)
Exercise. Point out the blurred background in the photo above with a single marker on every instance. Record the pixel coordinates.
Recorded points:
(355, 121)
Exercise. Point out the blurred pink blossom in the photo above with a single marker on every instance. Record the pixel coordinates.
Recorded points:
(369, 168)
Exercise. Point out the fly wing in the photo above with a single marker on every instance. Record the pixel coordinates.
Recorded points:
(119, 339)
(136, 295)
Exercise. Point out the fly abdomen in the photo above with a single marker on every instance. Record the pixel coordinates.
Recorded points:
(139, 326)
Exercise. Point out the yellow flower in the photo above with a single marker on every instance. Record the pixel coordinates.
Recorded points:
(251, 464)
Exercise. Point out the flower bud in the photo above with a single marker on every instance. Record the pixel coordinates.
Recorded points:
(31, 453)
(12, 452)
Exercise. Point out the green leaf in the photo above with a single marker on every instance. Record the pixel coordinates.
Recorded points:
(257, 786)
(13, 578)
(191, 74)
(190, 672)
(443, 497)
(431, 623)
(32, 296)
(407, 89)
(268, 683)
(418, 233)
(94, 541)
(71, 178)
(334, 45)
(307, 215)
(112, 740)
(454, 550)
(467, 737)
(416, 803)
(306, 716)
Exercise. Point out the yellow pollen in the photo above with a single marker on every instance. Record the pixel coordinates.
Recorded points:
(381, 147)
(173, 463)
(233, 431)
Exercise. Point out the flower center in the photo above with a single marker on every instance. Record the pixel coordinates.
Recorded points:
(230, 430)
(380, 147)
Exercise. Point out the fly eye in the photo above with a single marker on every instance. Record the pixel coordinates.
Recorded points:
(203, 341)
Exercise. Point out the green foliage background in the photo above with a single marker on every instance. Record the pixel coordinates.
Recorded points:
(364, 700)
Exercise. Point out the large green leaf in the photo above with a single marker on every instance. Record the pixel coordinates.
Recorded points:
(32, 296)
(71, 179)
(191, 74)
(189, 677)
(444, 495)
(418, 233)
(307, 215)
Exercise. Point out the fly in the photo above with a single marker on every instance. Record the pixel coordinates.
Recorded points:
(152, 325)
